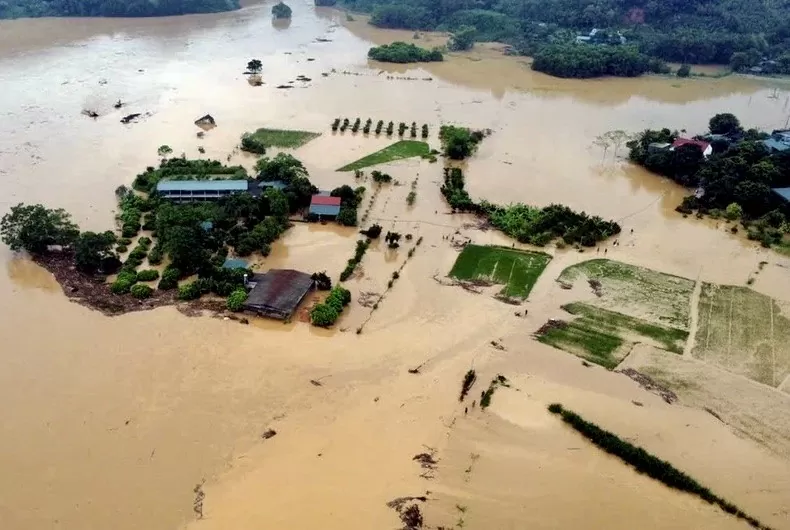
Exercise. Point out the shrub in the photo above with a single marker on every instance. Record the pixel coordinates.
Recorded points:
(322, 281)
(156, 255)
(733, 211)
(125, 241)
(373, 232)
(130, 230)
(123, 283)
(148, 275)
(141, 291)
(466, 385)
(684, 70)
(323, 315)
(252, 145)
(121, 248)
(189, 291)
(144, 242)
(236, 300)
(169, 279)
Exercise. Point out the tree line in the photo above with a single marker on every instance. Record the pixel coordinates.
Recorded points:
(691, 31)
(401, 52)
(111, 8)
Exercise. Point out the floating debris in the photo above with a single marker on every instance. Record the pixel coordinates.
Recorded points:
(269, 433)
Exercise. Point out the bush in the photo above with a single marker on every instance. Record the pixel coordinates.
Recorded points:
(401, 52)
(169, 279)
(156, 255)
(466, 385)
(733, 211)
(130, 230)
(121, 248)
(252, 145)
(323, 315)
(190, 291)
(148, 275)
(684, 70)
(144, 242)
(373, 232)
(347, 216)
(141, 291)
(125, 241)
(236, 300)
(124, 282)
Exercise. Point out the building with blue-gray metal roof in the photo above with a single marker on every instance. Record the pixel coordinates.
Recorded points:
(199, 190)
(783, 193)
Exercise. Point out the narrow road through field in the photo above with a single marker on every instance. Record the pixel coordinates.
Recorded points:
(694, 313)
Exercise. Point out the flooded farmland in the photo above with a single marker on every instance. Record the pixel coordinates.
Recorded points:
(111, 422)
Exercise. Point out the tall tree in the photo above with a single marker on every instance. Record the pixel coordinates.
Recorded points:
(34, 228)
(93, 250)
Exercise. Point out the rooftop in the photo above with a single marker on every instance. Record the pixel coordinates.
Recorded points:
(325, 209)
(776, 145)
(232, 263)
(688, 141)
(278, 292)
(278, 184)
(325, 200)
(783, 193)
(201, 185)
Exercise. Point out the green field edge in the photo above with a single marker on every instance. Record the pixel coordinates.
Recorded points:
(412, 149)
(279, 137)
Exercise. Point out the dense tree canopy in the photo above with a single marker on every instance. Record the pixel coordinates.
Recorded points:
(584, 60)
(281, 10)
(401, 52)
(684, 31)
(111, 8)
(93, 252)
(34, 228)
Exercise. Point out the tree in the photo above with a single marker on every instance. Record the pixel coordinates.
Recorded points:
(462, 39)
(93, 251)
(185, 244)
(34, 228)
(281, 11)
(347, 195)
(684, 70)
(278, 203)
(322, 280)
(164, 151)
(284, 167)
(392, 239)
(236, 299)
(733, 211)
(347, 216)
(739, 61)
(459, 142)
(724, 123)
(255, 66)
(323, 315)
(373, 232)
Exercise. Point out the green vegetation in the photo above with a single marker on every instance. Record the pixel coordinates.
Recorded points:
(281, 11)
(111, 8)
(585, 60)
(401, 52)
(605, 337)
(488, 394)
(459, 142)
(362, 247)
(349, 201)
(517, 270)
(653, 296)
(645, 463)
(178, 169)
(397, 151)
(462, 39)
(255, 66)
(284, 138)
(466, 385)
(141, 291)
(148, 275)
(93, 253)
(123, 282)
(34, 228)
(325, 314)
(735, 32)
(236, 299)
(741, 172)
(744, 332)
(169, 279)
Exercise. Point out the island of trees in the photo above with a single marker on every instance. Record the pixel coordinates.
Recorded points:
(735, 181)
(739, 33)
(111, 8)
(281, 11)
(401, 52)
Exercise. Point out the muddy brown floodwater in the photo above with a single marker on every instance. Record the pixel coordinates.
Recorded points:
(111, 422)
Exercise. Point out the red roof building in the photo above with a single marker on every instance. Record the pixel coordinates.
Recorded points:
(324, 206)
(325, 200)
(705, 147)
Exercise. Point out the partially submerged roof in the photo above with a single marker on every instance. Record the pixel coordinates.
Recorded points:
(783, 193)
(688, 141)
(201, 185)
(232, 263)
(278, 292)
(323, 209)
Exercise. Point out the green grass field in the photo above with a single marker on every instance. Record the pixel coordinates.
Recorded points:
(284, 137)
(517, 270)
(605, 337)
(397, 151)
(650, 295)
(744, 332)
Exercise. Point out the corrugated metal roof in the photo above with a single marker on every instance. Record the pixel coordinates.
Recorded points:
(231, 263)
(776, 145)
(324, 209)
(783, 193)
(325, 200)
(278, 184)
(279, 291)
(201, 185)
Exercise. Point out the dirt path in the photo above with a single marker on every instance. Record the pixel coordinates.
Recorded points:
(694, 312)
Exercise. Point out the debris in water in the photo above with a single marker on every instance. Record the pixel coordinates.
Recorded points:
(284, 86)
(118, 104)
(596, 286)
(552, 323)
(90, 113)
(426, 460)
(206, 122)
(130, 117)
(566, 285)
(651, 386)
(269, 433)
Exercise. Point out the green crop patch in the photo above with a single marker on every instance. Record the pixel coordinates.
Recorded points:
(285, 138)
(397, 151)
(517, 270)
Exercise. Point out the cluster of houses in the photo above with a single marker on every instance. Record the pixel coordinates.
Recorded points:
(322, 206)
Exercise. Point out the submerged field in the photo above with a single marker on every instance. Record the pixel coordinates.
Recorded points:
(397, 151)
(636, 291)
(606, 337)
(744, 332)
(517, 270)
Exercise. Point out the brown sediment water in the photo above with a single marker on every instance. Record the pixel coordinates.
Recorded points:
(111, 422)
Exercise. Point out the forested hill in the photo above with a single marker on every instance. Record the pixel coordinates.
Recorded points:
(111, 8)
(693, 31)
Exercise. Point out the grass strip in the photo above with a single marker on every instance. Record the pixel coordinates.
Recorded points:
(648, 464)
(397, 151)
(283, 137)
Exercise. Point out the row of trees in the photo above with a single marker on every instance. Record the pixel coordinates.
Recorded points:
(111, 8)
(401, 52)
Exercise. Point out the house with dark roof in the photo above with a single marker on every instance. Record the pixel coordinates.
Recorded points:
(704, 146)
(277, 293)
(324, 206)
(778, 142)
(199, 190)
